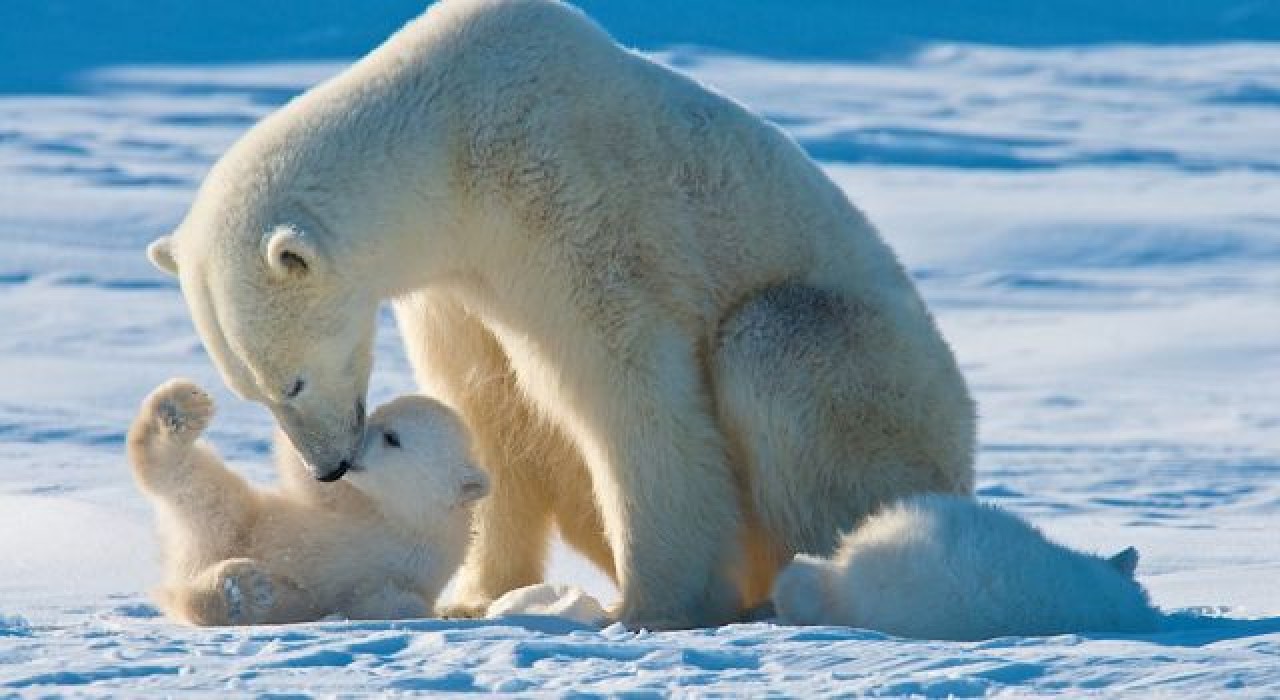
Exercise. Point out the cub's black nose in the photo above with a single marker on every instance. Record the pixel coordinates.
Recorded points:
(336, 474)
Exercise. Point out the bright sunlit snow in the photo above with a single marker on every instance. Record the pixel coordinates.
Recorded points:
(1097, 229)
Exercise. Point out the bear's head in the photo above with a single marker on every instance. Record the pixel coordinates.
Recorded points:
(415, 464)
(275, 270)
(285, 329)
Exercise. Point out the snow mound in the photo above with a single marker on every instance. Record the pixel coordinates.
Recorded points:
(558, 600)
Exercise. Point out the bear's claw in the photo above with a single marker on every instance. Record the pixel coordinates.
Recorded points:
(463, 611)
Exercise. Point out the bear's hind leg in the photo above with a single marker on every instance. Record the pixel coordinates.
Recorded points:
(835, 406)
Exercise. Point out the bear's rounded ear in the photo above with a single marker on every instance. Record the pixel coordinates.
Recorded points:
(160, 253)
(290, 252)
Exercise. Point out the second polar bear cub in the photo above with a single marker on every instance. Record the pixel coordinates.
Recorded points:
(947, 567)
(380, 544)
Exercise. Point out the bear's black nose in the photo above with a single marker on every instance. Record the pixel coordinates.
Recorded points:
(336, 474)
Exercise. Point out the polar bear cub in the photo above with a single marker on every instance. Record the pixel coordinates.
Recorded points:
(380, 544)
(947, 567)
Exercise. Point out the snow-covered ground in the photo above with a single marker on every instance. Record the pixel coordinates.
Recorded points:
(1097, 229)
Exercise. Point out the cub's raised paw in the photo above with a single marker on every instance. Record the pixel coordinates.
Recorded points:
(181, 408)
(246, 590)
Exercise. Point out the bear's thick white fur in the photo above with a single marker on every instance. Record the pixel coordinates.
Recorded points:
(380, 545)
(947, 567)
(670, 334)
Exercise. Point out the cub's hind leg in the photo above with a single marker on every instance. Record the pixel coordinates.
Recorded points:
(231, 592)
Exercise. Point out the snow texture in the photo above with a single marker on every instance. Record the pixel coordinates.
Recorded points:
(1095, 221)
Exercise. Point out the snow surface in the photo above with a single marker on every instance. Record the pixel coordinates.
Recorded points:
(1097, 228)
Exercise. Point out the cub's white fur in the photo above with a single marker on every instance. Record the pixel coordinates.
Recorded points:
(379, 545)
(671, 335)
(947, 567)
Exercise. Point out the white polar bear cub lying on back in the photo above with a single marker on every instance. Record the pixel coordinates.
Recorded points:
(947, 567)
(380, 544)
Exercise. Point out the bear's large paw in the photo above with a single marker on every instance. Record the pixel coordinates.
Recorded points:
(463, 609)
(246, 590)
(718, 603)
(181, 409)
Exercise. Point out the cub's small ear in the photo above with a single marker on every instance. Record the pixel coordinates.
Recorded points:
(1126, 562)
(290, 252)
(160, 253)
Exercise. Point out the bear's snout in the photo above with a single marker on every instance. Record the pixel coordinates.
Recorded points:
(343, 467)
(330, 449)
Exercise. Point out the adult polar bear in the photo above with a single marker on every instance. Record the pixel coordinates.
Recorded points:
(669, 333)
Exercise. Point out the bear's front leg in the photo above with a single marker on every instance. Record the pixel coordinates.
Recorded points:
(509, 549)
(666, 492)
(458, 360)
